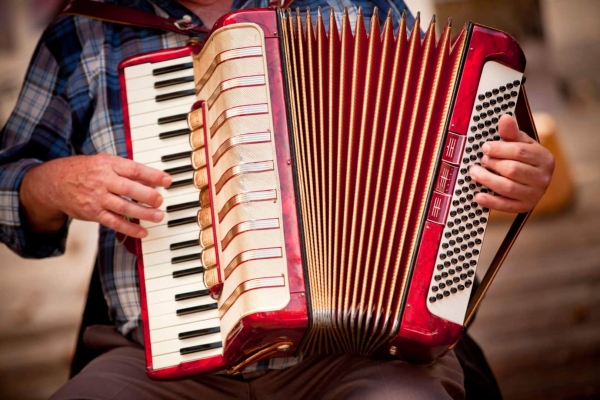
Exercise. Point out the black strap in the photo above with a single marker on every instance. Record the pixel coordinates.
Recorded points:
(129, 16)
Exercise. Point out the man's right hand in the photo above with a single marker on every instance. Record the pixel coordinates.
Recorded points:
(92, 188)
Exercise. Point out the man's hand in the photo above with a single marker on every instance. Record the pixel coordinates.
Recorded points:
(517, 169)
(92, 188)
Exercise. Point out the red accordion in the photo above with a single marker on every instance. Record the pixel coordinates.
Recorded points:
(321, 201)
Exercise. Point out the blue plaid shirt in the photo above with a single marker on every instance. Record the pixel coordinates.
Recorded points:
(70, 104)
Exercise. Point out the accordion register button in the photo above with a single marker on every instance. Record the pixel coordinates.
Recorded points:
(453, 148)
(438, 208)
(446, 178)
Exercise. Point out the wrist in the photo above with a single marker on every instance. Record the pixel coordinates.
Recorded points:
(35, 200)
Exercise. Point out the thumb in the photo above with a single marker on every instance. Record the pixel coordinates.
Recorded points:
(509, 131)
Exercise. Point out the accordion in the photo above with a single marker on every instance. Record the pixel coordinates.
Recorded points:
(321, 198)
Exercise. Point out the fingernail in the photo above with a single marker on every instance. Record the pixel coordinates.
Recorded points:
(484, 160)
(158, 215)
(166, 181)
(485, 148)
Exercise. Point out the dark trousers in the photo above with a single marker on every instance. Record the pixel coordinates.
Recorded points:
(119, 373)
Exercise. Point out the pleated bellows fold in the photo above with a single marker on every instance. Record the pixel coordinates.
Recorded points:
(368, 110)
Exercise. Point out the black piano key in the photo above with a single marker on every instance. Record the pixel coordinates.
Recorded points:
(195, 309)
(186, 272)
(183, 206)
(176, 156)
(172, 68)
(179, 170)
(175, 81)
(203, 347)
(172, 118)
(183, 182)
(183, 245)
(181, 221)
(174, 95)
(192, 295)
(172, 134)
(199, 332)
(180, 259)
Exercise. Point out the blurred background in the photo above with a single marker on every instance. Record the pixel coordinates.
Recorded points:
(539, 325)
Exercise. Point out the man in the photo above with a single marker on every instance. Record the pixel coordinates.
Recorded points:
(63, 157)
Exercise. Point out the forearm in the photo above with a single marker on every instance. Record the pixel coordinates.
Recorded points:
(35, 199)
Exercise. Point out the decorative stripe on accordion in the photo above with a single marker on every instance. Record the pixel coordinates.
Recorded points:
(241, 174)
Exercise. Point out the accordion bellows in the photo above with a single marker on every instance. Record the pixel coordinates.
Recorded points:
(368, 117)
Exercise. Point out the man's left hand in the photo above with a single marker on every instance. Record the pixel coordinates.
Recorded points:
(518, 169)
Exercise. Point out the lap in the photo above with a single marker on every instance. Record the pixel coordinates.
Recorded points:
(120, 374)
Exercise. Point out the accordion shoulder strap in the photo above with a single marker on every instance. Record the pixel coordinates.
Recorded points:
(526, 124)
(280, 3)
(128, 16)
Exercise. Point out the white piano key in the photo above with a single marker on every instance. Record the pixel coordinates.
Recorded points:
(182, 175)
(162, 244)
(155, 155)
(162, 231)
(165, 257)
(152, 130)
(177, 192)
(166, 269)
(164, 321)
(164, 295)
(148, 81)
(170, 164)
(168, 282)
(145, 69)
(185, 198)
(150, 93)
(172, 333)
(172, 216)
(172, 359)
(151, 118)
(153, 143)
(171, 306)
(151, 106)
(172, 346)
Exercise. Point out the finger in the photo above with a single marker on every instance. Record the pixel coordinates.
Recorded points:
(499, 184)
(528, 153)
(141, 173)
(513, 170)
(120, 224)
(121, 206)
(501, 203)
(509, 131)
(134, 190)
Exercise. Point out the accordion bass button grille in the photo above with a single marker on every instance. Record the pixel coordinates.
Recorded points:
(466, 223)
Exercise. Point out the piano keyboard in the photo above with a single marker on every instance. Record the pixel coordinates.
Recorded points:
(183, 318)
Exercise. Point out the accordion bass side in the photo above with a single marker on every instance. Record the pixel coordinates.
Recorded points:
(336, 210)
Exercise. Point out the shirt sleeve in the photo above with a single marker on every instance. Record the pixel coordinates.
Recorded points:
(39, 129)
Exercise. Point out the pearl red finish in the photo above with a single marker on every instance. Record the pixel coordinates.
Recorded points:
(422, 337)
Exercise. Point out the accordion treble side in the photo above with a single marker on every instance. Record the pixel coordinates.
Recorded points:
(336, 211)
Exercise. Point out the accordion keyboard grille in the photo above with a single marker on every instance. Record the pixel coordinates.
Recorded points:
(368, 115)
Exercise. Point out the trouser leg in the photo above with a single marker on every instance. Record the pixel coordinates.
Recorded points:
(346, 377)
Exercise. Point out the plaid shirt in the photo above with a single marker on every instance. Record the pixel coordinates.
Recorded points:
(70, 104)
